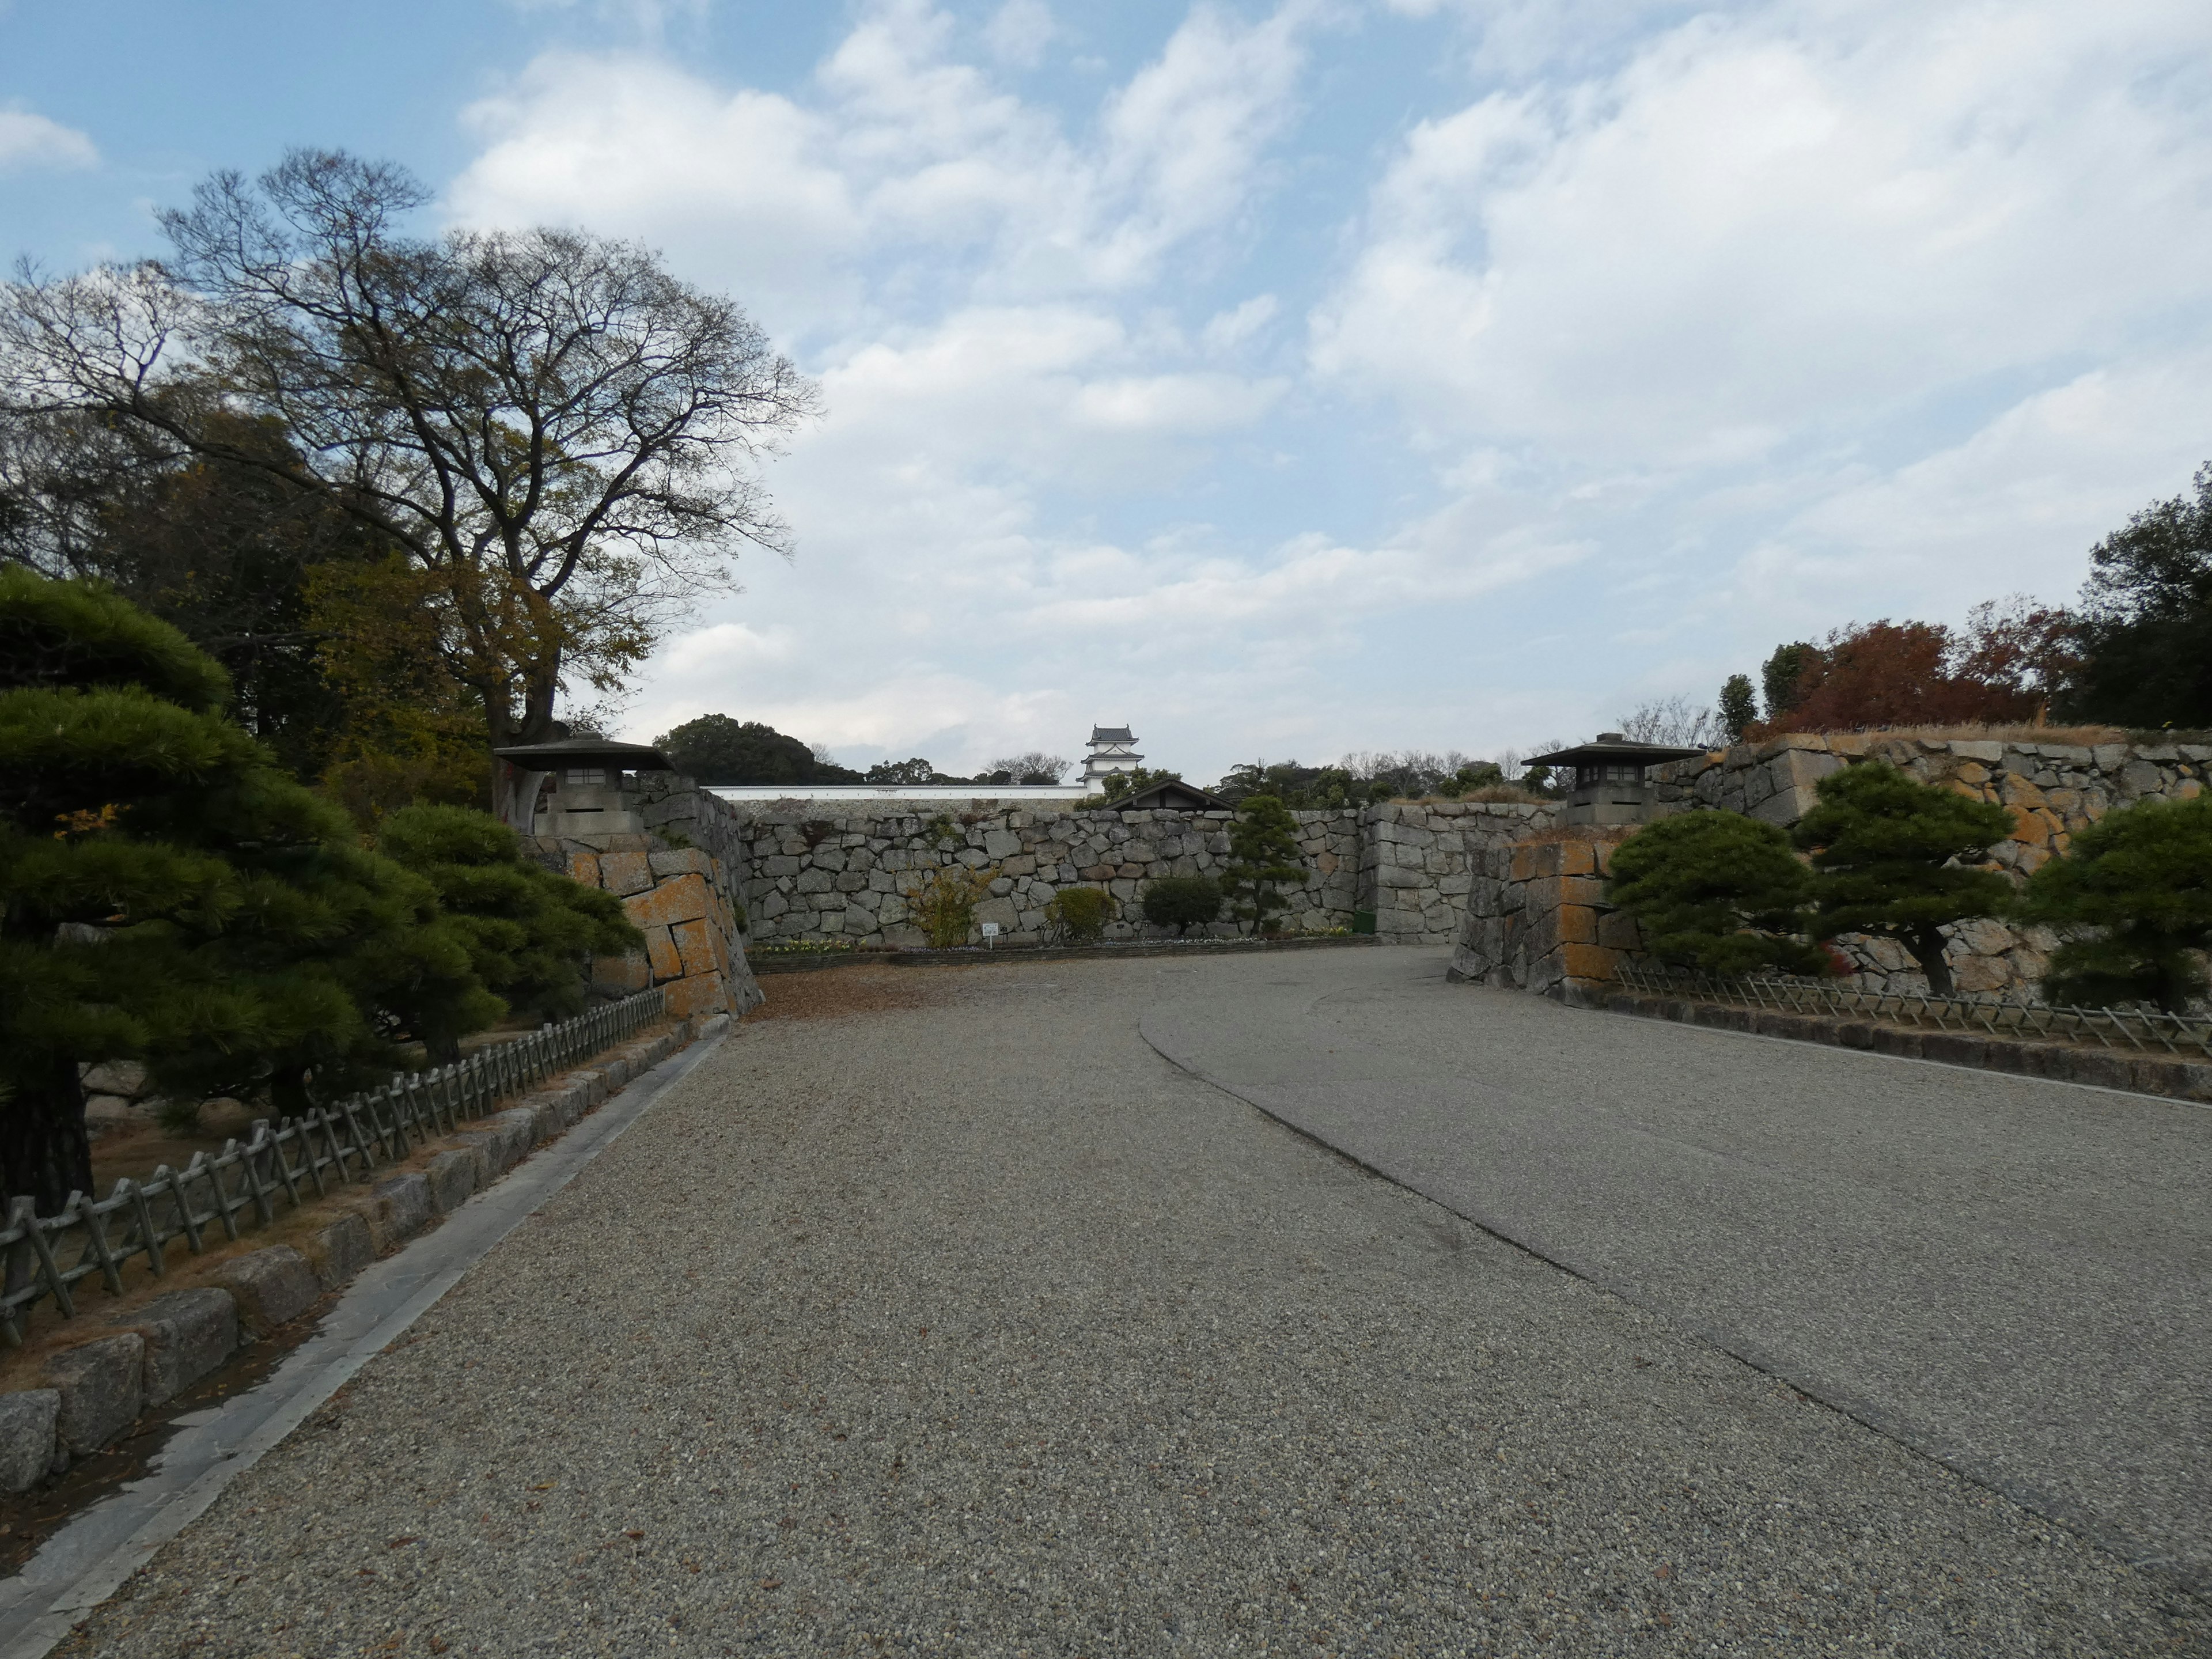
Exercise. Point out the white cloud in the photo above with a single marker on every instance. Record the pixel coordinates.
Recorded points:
(736, 184)
(908, 157)
(2012, 508)
(1781, 220)
(1225, 331)
(1688, 330)
(28, 140)
(1018, 33)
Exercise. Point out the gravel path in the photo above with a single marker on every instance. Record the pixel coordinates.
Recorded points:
(973, 1327)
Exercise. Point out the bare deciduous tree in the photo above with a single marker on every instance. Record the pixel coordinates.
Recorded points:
(1035, 766)
(560, 432)
(1672, 720)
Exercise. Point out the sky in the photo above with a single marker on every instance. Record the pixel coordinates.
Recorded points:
(1288, 380)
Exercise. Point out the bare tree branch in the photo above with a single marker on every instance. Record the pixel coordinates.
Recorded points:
(562, 429)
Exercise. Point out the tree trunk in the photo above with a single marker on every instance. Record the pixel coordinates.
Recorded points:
(1926, 945)
(290, 1093)
(44, 1150)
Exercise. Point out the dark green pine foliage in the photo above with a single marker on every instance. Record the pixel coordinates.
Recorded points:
(1263, 858)
(2148, 618)
(529, 932)
(1182, 903)
(718, 749)
(2134, 891)
(1895, 857)
(1738, 707)
(1718, 892)
(1779, 675)
(167, 893)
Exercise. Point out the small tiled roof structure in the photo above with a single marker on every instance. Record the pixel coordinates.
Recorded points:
(1171, 795)
(1112, 734)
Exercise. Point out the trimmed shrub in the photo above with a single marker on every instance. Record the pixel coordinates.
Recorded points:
(1080, 914)
(2135, 889)
(1718, 892)
(1895, 857)
(1182, 903)
(530, 933)
(943, 903)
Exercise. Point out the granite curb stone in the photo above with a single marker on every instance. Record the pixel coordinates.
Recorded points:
(187, 1334)
(2146, 1074)
(99, 1387)
(27, 1436)
(271, 1287)
(102, 1385)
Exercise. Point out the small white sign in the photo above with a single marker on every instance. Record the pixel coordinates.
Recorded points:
(990, 930)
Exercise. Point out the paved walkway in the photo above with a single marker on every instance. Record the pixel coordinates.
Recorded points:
(976, 1326)
(2009, 1274)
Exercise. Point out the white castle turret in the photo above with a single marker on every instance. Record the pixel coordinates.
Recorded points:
(1113, 748)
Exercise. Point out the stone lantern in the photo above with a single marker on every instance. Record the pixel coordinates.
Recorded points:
(1611, 777)
(573, 786)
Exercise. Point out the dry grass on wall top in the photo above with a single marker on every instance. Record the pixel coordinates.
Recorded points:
(2075, 736)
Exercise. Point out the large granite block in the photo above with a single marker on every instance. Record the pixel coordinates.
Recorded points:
(186, 1334)
(102, 1387)
(269, 1287)
(27, 1436)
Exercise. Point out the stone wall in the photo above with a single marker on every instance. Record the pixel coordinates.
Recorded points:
(821, 872)
(682, 899)
(1536, 914)
(2054, 790)
(847, 877)
(1419, 860)
(1537, 919)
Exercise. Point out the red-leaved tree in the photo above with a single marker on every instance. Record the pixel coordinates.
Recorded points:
(1998, 670)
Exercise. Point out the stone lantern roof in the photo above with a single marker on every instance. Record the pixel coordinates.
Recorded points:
(1611, 777)
(565, 753)
(1615, 748)
(573, 786)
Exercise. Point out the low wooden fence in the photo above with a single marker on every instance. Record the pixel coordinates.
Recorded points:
(209, 1199)
(2146, 1031)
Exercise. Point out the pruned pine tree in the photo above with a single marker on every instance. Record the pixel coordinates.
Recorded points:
(529, 932)
(168, 894)
(1718, 892)
(1895, 858)
(2134, 893)
(1263, 859)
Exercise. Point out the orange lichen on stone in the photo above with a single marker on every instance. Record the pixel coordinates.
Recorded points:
(683, 899)
(696, 942)
(1577, 858)
(584, 867)
(625, 872)
(621, 975)
(1588, 960)
(701, 994)
(661, 952)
